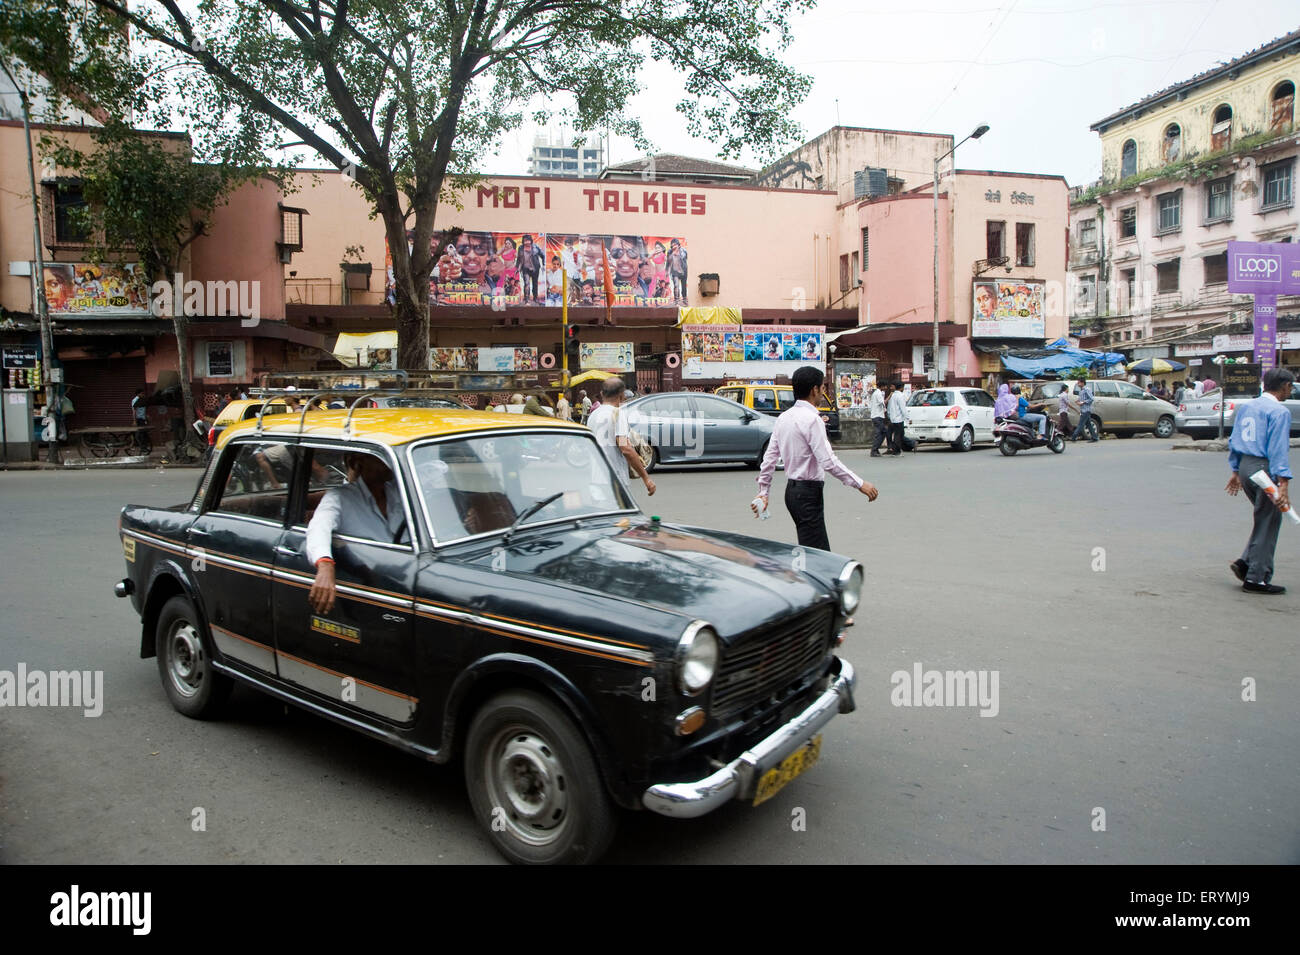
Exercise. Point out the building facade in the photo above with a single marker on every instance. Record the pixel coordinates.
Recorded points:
(562, 158)
(1184, 171)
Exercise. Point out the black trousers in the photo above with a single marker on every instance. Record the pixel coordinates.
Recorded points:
(880, 427)
(803, 499)
(896, 436)
(530, 282)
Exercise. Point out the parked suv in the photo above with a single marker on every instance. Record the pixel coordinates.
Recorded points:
(1118, 407)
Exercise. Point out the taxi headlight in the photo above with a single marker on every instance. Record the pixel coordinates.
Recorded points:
(850, 584)
(697, 658)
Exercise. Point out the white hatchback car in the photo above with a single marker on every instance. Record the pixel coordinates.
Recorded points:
(958, 416)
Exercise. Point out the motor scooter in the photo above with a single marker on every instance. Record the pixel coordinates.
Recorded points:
(1012, 435)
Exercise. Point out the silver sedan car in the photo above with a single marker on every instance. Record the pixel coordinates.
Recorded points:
(1199, 417)
(687, 427)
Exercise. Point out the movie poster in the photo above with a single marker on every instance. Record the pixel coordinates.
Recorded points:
(89, 290)
(759, 351)
(510, 269)
(1008, 309)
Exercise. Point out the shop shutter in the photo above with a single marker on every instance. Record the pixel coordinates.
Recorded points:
(101, 389)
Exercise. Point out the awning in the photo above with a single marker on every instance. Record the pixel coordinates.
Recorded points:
(590, 376)
(709, 315)
(354, 348)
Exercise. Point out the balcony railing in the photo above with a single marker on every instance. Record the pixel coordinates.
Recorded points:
(326, 291)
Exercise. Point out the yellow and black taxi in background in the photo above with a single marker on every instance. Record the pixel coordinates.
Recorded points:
(771, 399)
(578, 655)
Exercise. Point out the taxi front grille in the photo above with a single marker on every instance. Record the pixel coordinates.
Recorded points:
(763, 665)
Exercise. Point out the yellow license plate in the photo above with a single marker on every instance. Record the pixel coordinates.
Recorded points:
(798, 762)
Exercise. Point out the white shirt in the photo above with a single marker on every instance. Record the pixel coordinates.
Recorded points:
(608, 426)
(1198, 388)
(351, 510)
(562, 409)
(876, 403)
(896, 405)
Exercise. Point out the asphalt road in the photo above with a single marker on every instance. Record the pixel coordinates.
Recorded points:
(1118, 689)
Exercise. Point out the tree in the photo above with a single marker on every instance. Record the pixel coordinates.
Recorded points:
(404, 96)
(145, 194)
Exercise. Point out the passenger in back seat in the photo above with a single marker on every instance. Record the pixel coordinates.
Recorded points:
(368, 506)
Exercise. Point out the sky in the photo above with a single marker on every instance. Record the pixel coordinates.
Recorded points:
(1038, 72)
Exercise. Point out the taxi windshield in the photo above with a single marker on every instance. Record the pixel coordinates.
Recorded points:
(474, 486)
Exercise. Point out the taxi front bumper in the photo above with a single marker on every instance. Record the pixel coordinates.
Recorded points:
(737, 780)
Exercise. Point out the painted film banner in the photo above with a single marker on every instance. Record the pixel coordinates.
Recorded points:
(510, 269)
(104, 290)
(756, 351)
(1009, 310)
(483, 359)
(606, 356)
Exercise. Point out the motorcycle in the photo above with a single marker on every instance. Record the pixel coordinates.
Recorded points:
(1012, 435)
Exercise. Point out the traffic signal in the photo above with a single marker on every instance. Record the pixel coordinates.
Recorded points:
(571, 341)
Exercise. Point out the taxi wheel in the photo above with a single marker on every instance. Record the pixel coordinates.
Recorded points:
(1165, 427)
(534, 784)
(184, 663)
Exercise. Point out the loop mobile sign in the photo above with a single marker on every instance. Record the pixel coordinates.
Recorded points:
(1265, 270)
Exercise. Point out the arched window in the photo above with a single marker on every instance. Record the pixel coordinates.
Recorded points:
(1173, 147)
(1221, 131)
(1283, 106)
(1128, 159)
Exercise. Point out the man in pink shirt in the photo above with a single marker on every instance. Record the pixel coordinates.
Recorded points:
(799, 438)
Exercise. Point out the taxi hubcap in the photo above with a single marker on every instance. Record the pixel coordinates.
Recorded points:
(186, 659)
(530, 785)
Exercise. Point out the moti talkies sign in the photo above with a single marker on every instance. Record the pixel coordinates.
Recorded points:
(1264, 268)
(649, 201)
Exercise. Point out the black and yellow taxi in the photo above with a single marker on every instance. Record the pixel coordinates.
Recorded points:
(770, 398)
(580, 657)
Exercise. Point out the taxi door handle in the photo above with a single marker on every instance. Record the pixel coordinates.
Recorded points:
(285, 551)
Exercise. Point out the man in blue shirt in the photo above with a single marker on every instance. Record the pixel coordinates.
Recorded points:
(1083, 428)
(1261, 439)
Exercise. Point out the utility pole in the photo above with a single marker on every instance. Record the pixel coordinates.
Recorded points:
(53, 393)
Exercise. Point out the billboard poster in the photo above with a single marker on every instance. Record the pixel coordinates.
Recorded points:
(104, 290)
(453, 359)
(511, 269)
(750, 351)
(507, 359)
(854, 381)
(1009, 310)
(1265, 340)
(606, 356)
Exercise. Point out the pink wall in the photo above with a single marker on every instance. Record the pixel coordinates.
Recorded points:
(241, 245)
(898, 285)
(768, 246)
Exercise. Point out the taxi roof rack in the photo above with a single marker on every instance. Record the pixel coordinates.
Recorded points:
(360, 392)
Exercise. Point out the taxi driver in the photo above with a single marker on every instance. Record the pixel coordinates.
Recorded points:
(368, 506)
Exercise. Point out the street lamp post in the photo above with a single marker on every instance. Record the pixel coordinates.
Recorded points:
(976, 134)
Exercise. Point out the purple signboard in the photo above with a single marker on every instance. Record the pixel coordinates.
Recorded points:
(1264, 268)
(1265, 331)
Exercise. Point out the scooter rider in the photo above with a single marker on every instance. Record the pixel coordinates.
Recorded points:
(1031, 417)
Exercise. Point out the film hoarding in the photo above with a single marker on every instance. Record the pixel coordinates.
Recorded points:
(90, 290)
(750, 351)
(1009, 310)
(519, 269)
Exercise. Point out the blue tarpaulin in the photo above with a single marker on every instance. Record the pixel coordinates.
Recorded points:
(1061, 356)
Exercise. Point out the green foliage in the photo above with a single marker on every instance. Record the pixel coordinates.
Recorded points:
(1195, 168)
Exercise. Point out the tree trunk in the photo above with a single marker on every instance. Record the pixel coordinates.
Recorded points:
(411, 305)
(181, 328)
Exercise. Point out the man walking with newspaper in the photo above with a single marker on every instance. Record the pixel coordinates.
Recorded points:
(1261, 441)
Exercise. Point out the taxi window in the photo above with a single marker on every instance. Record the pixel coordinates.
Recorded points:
(329, 468)
(257, 484)
(479, 485)
(764, 399)
(735, 394)
(784, 399)
(1105, 389)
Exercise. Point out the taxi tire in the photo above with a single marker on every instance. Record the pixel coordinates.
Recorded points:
(183, 647)
(1165, 427)
(543, 731)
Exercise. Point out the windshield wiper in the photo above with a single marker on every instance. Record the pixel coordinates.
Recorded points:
(530, 512)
